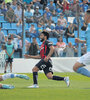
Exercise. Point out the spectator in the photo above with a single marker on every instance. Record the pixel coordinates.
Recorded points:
(69, 32)
(70, 50)
(50, 25)
(4, 8)
(10, 16)
(74, 8)
(37, 3)
(44, 3)
(18, 14)
(63, 20)
(51, 28)
(39, 28)
(51, 7)
(84, 7)
(28, 15)
(2, 38)
(65, 4)
(27, 44)
(59, 3)
(27, 1)
(60, 47)
(15, 40)
(32, 31)
(75, 22)
(34, 47)
(14, 5)
(8, 3)
(59, 28)
(37, 15)
(47, 15)
(59, 6)
(9, 49)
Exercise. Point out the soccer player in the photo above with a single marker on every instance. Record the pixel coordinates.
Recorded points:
(11, 75)
(85, 59)
(45, 64)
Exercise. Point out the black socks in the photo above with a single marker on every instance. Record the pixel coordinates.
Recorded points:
(58, 78)
(35, 76)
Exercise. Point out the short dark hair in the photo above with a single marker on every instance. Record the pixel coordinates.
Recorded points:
(88, 11)
(46, 34)
(9, 38)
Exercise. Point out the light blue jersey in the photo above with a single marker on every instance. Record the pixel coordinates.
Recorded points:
(88, 38)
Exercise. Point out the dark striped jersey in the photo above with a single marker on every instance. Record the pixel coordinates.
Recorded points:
(45, 48)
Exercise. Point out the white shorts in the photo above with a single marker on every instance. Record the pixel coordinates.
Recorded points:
(85, 59)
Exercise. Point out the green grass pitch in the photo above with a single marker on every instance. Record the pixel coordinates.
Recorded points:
(49, 90)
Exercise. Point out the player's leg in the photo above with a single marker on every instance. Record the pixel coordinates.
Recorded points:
(11, 60)
(5, 86)
(79, 68)
(35, 74)
(6, 66)
(35, 70)
(79, 65)
(35, 78)
(11, 67)
(11, 75)
(57, 78)
(49, 73)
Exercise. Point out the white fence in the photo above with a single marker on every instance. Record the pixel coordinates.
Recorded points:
(64, 64)
(2, 58)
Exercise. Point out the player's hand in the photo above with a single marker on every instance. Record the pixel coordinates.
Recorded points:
(46, 58)
(77, 40)
(27, 56)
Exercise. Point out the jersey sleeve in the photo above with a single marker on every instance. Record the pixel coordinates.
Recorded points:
(48, 43)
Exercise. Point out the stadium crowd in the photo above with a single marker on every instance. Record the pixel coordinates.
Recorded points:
(58, 17)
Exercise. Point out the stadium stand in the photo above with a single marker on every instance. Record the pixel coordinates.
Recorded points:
(12, 28)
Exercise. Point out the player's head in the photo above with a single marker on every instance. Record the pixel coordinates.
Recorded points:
(34, 39)
(88, 12)
(60, 39)
(44, 36)
(9, 39)
(87, 16)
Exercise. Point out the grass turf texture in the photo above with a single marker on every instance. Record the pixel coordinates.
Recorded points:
(49, 90)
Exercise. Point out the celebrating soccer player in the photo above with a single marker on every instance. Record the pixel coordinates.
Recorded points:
(45, 64)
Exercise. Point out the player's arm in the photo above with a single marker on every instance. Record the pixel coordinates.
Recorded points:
(51, 51)
(77, 40)
(17, 36)
(7, 53)
(30, 56)
(50, 54)
(12, 53)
